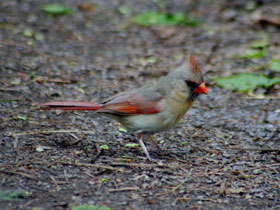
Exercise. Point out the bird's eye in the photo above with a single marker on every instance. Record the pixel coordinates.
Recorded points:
(191, 84)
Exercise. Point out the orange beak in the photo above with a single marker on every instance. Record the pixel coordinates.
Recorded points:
(201, 89)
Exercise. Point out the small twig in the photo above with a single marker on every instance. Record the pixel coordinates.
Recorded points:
(262, 167)
(9, 100)
(65, 175)
(90, 165)
(56, 80)
(12, 89)
(143, 165)
(75, 137)
(55, 182)
(213, 50)
(48, 170)
(19, 173)
(3, 82)
(16, 142)
(178, 186)
(99, 153)
(140, 165)
(87, 173)
(256, 149)
(123, 189)
(54, 131)
(47, 132)
(261, 97)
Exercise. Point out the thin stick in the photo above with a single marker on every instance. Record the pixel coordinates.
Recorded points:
(256, 149)
(140, 165)
(178, 186)
(55, 182)
(54, 131)
(90, 165)
(47, 132)
(123, 189)
(19, 173)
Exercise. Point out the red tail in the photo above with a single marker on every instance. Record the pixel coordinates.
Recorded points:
(71, 105)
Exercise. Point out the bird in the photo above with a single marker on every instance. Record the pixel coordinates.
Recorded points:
(154, 107)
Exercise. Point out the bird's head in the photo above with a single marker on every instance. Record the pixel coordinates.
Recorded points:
(189, 77)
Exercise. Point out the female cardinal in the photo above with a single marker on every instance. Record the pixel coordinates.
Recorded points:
(152, 108)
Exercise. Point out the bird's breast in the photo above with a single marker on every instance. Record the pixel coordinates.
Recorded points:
(178, 104)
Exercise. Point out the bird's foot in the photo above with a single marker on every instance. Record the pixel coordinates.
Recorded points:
(155, 143)
(140, 140)
(151, 159)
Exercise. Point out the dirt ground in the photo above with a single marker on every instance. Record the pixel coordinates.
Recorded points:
(223, 155)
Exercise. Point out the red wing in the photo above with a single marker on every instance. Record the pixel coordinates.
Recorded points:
(130, 104)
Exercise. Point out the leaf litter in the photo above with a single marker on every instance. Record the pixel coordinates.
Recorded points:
(238, 167)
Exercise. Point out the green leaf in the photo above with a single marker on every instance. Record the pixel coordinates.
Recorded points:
(132, 145)
(27, 32)
(89, 207)
(250, 5)
(184, 143)
(274, 65)
(55, 9)
(39, 36)
(125, 157)
(256, 49)
(19, 117)
(245, 81)
(254, 53)
(103, 180)
(104, 146)
(37, 208)
(151, 59)
(259, 44)
(29, 42)
(158, 18)
(14, 195)
(123, 130)
(123, 9)
(257, 171)
(227, 169)
(15, 82)
(159, 3)
(41, 148)
(8, 100)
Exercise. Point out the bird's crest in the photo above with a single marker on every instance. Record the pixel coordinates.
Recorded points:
(193, 65)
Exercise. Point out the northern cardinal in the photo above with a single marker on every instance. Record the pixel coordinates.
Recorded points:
(151, 108)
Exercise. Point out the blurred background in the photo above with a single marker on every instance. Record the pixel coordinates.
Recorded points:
(224, 153)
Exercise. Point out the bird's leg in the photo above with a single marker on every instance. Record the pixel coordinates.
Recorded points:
(140, 140)
(154, 142)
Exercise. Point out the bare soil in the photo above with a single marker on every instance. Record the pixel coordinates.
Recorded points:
(223, 155)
